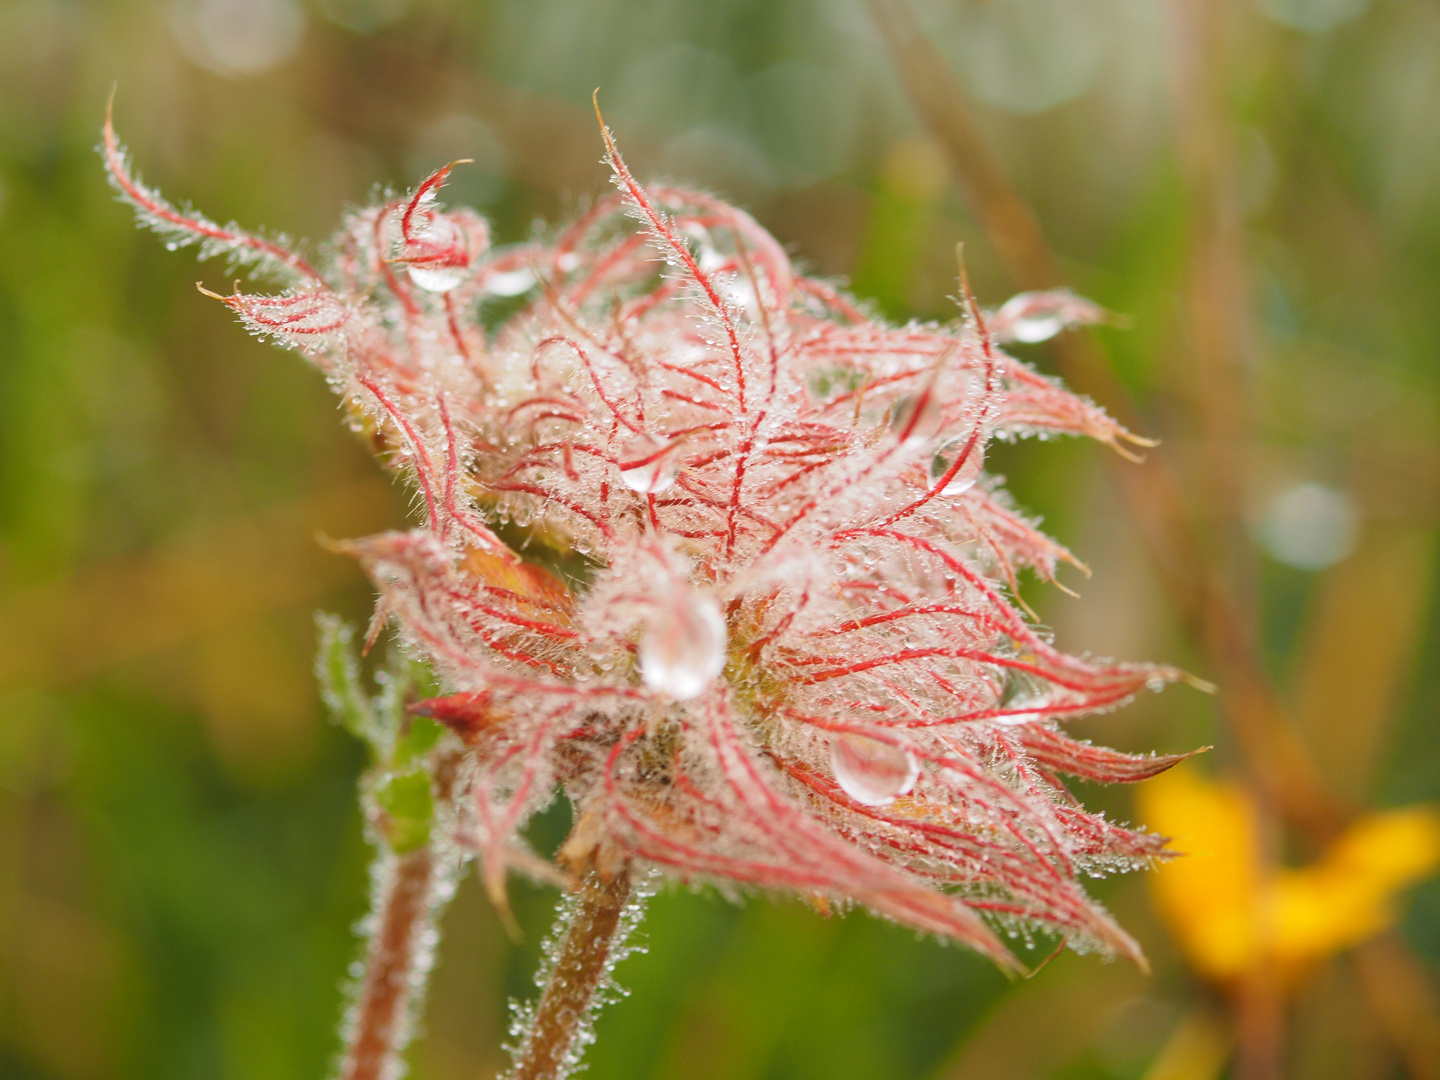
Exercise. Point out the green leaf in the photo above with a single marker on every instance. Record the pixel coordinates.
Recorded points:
(338, 671)
(401, 681)
(424, 733)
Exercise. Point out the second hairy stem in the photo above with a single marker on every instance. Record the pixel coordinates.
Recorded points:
(583, 958)
(404, 915)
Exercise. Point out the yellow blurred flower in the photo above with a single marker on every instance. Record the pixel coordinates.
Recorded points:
(1231, 909)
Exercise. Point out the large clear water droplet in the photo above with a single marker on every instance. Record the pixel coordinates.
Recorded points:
(709, 259)
(916, 419)
(683, 649)
(1035, 328)
(969, 470)
(510, 282)
(436, 279)
(647, 465)
(871, 772)
(741, 294)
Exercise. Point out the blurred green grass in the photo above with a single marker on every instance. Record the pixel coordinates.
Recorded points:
(180, 852)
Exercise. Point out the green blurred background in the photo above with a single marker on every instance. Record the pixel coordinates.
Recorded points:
(181, 859)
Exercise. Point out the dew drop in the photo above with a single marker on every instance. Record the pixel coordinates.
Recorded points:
(969, 471)
(1035, 328)
(871, 772)
(684, 648)
(647, 465)
(741, 294)
(510, 282)
(916, 419)
(433, 279)
(710, 259)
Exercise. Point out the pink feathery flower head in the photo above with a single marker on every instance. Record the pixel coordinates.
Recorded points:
(786, 651)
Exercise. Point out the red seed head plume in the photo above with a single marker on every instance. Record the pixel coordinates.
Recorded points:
(786, 649)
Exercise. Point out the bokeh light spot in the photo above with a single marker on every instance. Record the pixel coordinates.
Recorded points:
(238, 38)
(1309, 526)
